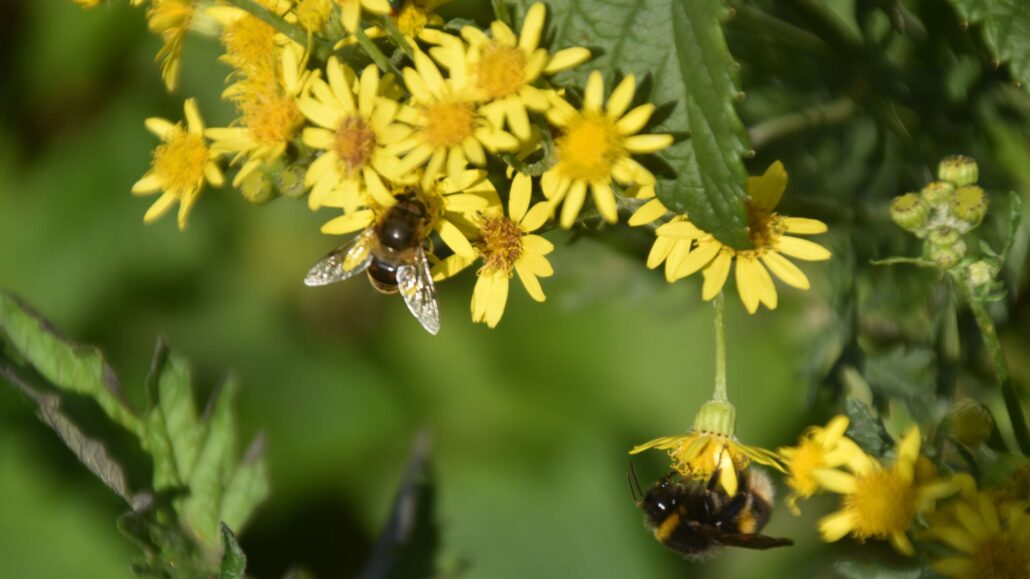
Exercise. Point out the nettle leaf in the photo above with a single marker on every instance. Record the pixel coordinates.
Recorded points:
(234, 562)
(1006, 28)
(677, 51)
(866, 428)
(68, 366)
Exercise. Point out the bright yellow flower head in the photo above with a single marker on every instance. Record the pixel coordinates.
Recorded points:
(171, 20)
(711, 448)
(450, 128)
(992, 539)
(819, 448)
(251, 44)
(350, 11)
(595, 146)
(768, 232)
(879, 502)
(502, 67)
(450, 204)
(181, 165)
(355, 121)
(507, 246)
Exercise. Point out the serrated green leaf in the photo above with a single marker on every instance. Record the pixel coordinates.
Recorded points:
(872, 570)
(677, 47)
(909, 375)
(866, 428)
(173, 430)
(247, 487)
(1006, 28)
(234, 562)
(210, 473)
(68, 366)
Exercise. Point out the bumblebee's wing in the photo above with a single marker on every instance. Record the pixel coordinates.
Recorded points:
(750, 541)
(344, 262)
(416, 287)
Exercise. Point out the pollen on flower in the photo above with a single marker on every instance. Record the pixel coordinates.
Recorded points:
(179, 162)
(500, 243)
(448, 123)
(411, 19)
(250, 46)
(590, 147)
(355, 143)
(271, 116)
(501, 70)
(764, 228)
(883, 504)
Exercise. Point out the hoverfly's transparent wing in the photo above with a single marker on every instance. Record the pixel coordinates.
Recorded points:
(344, 262)
(416, 287)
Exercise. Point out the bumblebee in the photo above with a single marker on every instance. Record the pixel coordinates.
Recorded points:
(391, 252)
(696, 518)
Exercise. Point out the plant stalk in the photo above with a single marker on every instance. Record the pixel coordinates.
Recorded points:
(720, 350)
(375, 54)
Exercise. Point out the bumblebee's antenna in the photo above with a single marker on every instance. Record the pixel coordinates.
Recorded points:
(632, 479)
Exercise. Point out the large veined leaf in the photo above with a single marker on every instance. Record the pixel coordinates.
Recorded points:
(676, 50)
(1006, 28)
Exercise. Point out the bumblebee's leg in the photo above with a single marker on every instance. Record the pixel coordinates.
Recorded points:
(728, 513)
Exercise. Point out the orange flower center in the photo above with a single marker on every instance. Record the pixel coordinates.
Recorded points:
(179, 162)
(501, 70)
(355, 143)
(764, 229)
(449, 123)
(590, 148)
(273, 118)
(500, 242)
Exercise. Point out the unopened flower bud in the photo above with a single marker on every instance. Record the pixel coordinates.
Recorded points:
(291, 181)
(910, 211)
(970, 422)
(939, 193)
(980, 273)
(970, 204)
(257, 189)
(959, 170)
(944, 237)
(716, 417)
(947, 255)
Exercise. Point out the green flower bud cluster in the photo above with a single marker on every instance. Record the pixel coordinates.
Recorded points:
(944, 210)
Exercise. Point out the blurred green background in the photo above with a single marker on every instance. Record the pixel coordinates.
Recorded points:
(530, 422)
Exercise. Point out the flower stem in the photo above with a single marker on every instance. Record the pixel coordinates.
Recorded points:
(1001, 368)
(375, 54)
(720, 350)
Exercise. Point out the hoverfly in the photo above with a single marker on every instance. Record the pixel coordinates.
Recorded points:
(390, 252)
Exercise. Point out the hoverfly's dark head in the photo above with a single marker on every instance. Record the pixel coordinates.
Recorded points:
(403, 226)
(660, 500)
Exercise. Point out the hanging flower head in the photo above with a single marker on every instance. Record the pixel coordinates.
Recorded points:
(181, 165)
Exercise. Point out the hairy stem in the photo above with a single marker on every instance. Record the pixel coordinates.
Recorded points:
(720, 350)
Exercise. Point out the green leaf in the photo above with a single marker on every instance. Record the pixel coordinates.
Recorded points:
(676, 48)
(247, 488)
(210, 474)
(68, 366)
(234, 562)
(906, 374)
(866, 428)
(1006, 28)
(173, 431)
(873, 570)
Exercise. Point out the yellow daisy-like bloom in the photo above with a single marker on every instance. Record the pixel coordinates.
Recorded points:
(711, 448)
(993, 539)
(819, 448)
(170, 19)
(252, 46)
(502, 68)
(355, 127)
(269, 116)
(768, 232)
(450, 204)
(413, 21)
(350, 11)
(595, 146)
(181, 165)
(450, 128)
(507, 246)
(882, 503)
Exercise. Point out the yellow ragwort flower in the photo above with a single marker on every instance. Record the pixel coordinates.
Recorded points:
(170, 19)
(181, 165)
(879, 502)
(450, 129)
(768, 232)
(819, 448)
(992, 539)
(350, 11)
(507, 246)
(502, 68)
(355, 127)
(595, 147)
(269, 116)
(413, 21)
(450, 204)
(313, 15)
(251, 44)
(711, 448)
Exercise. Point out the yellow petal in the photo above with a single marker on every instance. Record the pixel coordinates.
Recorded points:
(604, 199)
(748, 284)
(573, 203)
(643, 144)
(635, 120)
(532, 26)
(786, 271)
(159, 207)
(193, 120)
(659, 251)
(622, 96)
(766, 191)
(802, 226)
(715, 275)
(537, 216)
(566, 59)
(835, 526)
(349, 223)
(530, 282)
(802, 249)
(697, 259)
(836, 481)
(147, 184)
(593, 96)
(455, 239)
(521, 191)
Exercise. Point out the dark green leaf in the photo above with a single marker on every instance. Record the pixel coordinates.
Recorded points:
(676, 48)
(68, 366)
(1006, 28)
(866, 429)
(234, 562)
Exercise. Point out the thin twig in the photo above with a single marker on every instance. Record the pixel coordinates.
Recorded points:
(818, 116)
